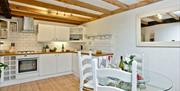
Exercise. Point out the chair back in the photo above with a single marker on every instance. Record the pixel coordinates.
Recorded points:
(85, 67)
(114, 73)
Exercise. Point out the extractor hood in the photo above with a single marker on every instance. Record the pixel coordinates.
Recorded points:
(28, 25)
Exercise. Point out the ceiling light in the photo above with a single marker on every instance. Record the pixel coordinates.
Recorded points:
(64, 14)
(177, 12)
(49, 11)
(159, 16)
(57, 13)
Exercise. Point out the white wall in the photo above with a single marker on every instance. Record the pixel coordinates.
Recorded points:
(165, 32)
(123, 27)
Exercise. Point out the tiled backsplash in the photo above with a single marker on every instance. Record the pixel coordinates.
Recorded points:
(67, 45)
(28, 41)
(23, 41)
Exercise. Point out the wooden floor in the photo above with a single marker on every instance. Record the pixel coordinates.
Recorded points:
(62, 83)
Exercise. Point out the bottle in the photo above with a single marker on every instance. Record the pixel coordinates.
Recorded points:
(47, 48)
(121, 64)
(81, 47)
(62, 47)
(12, 48)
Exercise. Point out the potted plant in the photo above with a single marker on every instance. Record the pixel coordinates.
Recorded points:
(2, 66)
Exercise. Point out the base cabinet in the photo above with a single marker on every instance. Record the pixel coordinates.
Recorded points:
(75, 64)
(47, 64)
(55, 63)
(64, 62)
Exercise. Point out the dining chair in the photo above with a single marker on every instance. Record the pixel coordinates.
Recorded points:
(114, 73)
(85, 70)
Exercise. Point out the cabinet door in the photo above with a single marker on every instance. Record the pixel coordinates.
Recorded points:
(4, 27)
(62, 33)
(64, 62)
(46, 32)
(47, 64)
(75, 64)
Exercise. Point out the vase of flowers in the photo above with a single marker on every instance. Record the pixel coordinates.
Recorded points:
(128, 62)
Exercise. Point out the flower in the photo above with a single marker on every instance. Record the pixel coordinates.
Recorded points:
(129, 60)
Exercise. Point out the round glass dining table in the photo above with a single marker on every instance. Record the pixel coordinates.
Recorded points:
(152, 81)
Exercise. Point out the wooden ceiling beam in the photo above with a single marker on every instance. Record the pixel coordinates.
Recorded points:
(29, 9)
(144, 22)
(55, 7)
(155, 18)
(117, 3)
(142, 3)
(4, 6)
(43, 17)
(85, 5)
(173, 16)
(149, 1)
(165, 21)
(130, 7)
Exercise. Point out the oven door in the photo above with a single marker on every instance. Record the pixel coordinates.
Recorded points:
(27, 65)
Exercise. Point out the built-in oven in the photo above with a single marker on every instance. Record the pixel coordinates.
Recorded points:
(27, 66)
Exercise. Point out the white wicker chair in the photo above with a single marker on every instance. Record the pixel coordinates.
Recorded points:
(85, 68)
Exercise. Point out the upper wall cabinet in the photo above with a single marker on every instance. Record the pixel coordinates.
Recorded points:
(77, 34)
(62, 33)
(45, 33)
(4, 27)
(48, 33)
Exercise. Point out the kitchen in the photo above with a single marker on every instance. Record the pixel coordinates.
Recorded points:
(44, 47)
(27, 55)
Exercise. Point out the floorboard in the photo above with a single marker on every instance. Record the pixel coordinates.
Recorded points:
(61, 83)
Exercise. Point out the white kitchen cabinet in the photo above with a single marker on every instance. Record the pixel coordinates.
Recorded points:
(75, 64)
(62, 33)
(77, 34)
(48, 64)
(45, 33)
(64, 62)
(4, 27)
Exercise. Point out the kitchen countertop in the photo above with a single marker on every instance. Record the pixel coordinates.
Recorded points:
(84, 53)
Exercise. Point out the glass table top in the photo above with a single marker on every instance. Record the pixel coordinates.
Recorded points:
(156, 82)
(152, 81)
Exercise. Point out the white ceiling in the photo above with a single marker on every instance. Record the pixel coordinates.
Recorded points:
(130, 1)
(101, 4)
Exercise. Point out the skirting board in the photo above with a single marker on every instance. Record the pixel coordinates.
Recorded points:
(19, 81)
